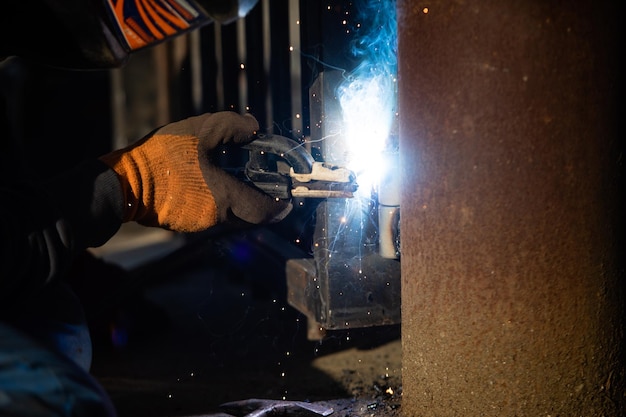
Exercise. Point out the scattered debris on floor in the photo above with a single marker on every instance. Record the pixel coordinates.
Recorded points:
(201, 333)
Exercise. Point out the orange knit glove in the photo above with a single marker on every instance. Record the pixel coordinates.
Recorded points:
(170, 182)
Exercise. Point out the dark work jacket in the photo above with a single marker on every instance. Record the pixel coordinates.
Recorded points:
(45, 225)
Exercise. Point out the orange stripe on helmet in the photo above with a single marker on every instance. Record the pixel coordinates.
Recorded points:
(134, 35)
(170, 15)
(158, 21)
(147, 21)
(139, 36)
(142, 22)
(118, 7)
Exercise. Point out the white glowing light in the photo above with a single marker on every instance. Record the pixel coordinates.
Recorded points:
(368, 107)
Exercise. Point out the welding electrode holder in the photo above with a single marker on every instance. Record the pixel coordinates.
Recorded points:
(283, 168)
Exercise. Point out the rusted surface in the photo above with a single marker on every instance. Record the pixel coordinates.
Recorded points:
(511, 302)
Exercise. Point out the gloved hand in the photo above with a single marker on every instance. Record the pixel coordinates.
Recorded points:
(170, 182)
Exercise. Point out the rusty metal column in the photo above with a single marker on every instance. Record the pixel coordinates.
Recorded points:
(511, 224)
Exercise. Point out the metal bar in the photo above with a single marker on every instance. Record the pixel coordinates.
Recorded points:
(242, 57)
(195, 60)
(295, 67)
(267, 58)
(118, 109)
(511, 285)
(159, 55)
(219, 67)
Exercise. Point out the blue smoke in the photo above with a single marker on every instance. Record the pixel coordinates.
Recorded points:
(376, 37)
(368, 93)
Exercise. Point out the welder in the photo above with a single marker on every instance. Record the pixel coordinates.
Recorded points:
(165, 180)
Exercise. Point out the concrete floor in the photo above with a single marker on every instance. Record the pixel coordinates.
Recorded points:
(187, 329)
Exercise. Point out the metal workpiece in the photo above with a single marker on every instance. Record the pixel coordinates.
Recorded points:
(389, 192)
(348, 283)
(389, 231)
(359, 287)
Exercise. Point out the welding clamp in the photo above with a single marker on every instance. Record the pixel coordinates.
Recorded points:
(284, 168)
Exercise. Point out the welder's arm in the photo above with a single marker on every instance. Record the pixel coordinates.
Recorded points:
(44, 225)
(164, 180)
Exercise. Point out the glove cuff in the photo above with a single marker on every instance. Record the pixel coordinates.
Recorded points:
(129, 179)
(96, 215)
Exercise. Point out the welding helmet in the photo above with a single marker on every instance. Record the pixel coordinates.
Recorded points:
(101, 34)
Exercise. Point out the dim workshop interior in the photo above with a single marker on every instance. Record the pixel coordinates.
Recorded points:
(499, 291)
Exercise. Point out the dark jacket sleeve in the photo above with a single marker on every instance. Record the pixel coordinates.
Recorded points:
(45, 225)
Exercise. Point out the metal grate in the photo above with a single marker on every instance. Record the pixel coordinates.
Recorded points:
(250, 65)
